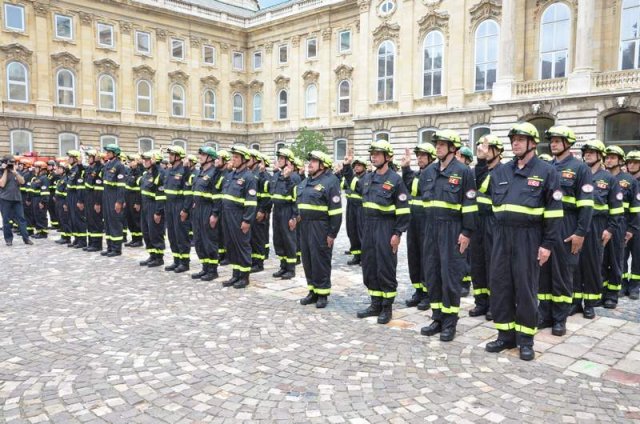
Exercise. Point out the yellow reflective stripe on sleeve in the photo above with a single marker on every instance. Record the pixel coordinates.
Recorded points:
(599, 207)
(518, 209)
(335, 212)
(234, 199)
(469, 209)
(443, 205)
(484, 200)
(308, 207)
(282, 197)
(485, 184)
(616, 211)
(403, 211)
(544, 296)
(251, 203)
(173, 192)
(372, 205)
(625, 205)
(584, 203)
(634, 210)
(353, 196)
(414, 187)
(477, 292)
(203, 194)
(559, 213)
(569, 199)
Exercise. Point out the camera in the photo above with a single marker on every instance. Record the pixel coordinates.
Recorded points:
(7, 162)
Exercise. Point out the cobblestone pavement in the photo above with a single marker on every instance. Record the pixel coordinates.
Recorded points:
(85, 338)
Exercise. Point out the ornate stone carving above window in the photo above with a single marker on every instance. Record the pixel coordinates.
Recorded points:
(238, 86)
(178, 77)
(161, 34)
(107, 66)
(209, 81)
(85, 18)
(126, 27)
(144, 72)
(65, 60)
(485, 9)
(17, 52)
(343, 72)
(41, 9)
(295, 41)
(268, 47)
(434, 20)
(386, 31)
(542, 4)
(195, 41)
(281, 82)
(326, 34)
(310, 77)
(256, 85)
(364, 5)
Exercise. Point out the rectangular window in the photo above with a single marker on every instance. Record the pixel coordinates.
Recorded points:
(105, 35)
(283, 54)
(143, 42)
(67, 142)
(312, 48)
(177, 49)
(344, 41)
(145, 144)
(14, 17)
(20, 142)
(64, 27)
(238, 61)
(209, 55)
(257, 61)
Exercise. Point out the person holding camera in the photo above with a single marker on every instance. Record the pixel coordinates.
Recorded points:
(11, 201)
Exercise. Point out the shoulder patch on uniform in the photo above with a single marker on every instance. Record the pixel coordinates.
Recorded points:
(335, 199)
(587, 188)
(471, 194)
(120, 176)
(619, 196)
(252, 192)
(402, 197)
(557, 195)
(98, 181)
(80, 180)
(638, 196)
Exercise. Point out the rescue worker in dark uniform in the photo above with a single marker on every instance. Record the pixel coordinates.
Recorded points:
(40, 199)
(133, 200)
(92, 204)
(113, 199)
(320, 207)
(260, 228)
(632, 282)
(222, 163)
(176, 211)
(613, 265)
(385, 202)
(299, 167)
(285, 213)
(152, 208)
(555, 292)
(425, 154)
(449, 193)
(205, 207)
(607, 216)
(25, 169)
(239, 208)
(527, 203)
(190, 163)
(53, 179)
(75, 199)
(354, 211)
(62, 209)
(465, 155)
(489, 154)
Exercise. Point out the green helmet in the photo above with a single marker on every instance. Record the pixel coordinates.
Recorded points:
(561, 131)
(286, 153)
(113, 148)
(152, 155)
(381, 146)
(615, 150)
(224, 155)
(467, 153)
(595, 145)
(324, 158)
(177, 150)
(74, 154)
(492, 141)
(425, 148)
(633, 155)
(91, 152)
(209, 151)
(360, 161)
(545, 157)
(525, 128)
(448, 135)
(242, 151)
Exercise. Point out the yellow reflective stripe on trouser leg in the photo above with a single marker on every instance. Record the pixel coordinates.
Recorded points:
(241, 268)
(386, 295)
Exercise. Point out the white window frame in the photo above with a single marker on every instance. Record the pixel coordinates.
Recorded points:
(24, 83)
(472, 134)
(257, 66)
(310, 104)
(486, 45)
(182, 103)
(336, 142)
(341, 98)
(111, 94)
(171, 46)
(101, 26)
(12, 145)
(424, 130)
(140, 149)
(286, 49)
(308, 44)
(237, 109)
(75, 140)
(389, 10)
(138, 50)
(385, 96)
(340, 34)
(211, 143)
(431, 72)
(211, 105)
(235, 55)
(377, 134)
(72, 89)
(257, 109)
(280, 105)
(204, 55)
(8, 6)
(55, 26)
(279, 144)
(106, 139)
(140, 97)
(554, 52)
(635, 41)
(255, 146)
(179, 142)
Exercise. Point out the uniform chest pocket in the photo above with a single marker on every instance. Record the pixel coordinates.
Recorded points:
(384, 197)
(532, 197)
(316, 194)
(567, 185)
(498, 194)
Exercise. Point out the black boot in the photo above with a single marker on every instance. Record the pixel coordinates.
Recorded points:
(211, 274)
(231, 282)
(385, 314)
(432, 329)
(157, 261)
(425, 303)
(499, 345)
(198, 275)
(477, 311)
(575, 308)
(288, 275)
(242, 282)
(322, 302)
(373, 310)
(310, 298)
(173, 266)
(279, 273)
(489, 316)
(136, 243)
(415, 299)
(527, 353)
(146, 261)
(182, 267)
(447, 334)
(258, 267)
(544, 323)
(589, 312)
(354, 261)
(559, 329)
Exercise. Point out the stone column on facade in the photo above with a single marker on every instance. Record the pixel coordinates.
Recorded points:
(127, 93)
(579, 80)
(502, 88)
(195, 96)
(225, 97)
(406, 49)
(43, 72)
(88, 78)
(162, 89)
(454, 81)
(296, 91)
(327, 90)
(363, 72)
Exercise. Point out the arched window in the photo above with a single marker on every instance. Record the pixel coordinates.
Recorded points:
(425, 135)
(344, 97)
(255, 146)
(486, 54)
(209, 104)
(339, 149)
(623, 129)
(630, 35)
(386, 62)
(105, 140)
(17, 82)
(280, 144)
(554, 41)
(21, 142)
(433, 52)
(107, 93)
(238, 108)
(66, 88)
(542, 124)
(477, 131)
(257, 107)
(283, 104)
(311, 101)
(145, 144)
(66, 142)
(177, 101)
(211, 144)
(180, 142)
(143, 96)
(382, 135)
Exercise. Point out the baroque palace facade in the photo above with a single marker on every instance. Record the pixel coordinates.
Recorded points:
(150, 73)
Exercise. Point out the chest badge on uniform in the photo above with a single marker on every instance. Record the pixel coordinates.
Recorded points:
(534, 182)
(387, 185)
(454, 180)
(240, 181)
(318, 187)
(206, 178)
(602, 185)
(624, 183)
(568, 173)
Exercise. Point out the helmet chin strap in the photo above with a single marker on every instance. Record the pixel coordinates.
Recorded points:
(386, 161)
(521, 157)
(567, 147)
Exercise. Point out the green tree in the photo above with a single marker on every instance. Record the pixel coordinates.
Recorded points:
(307, 141)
